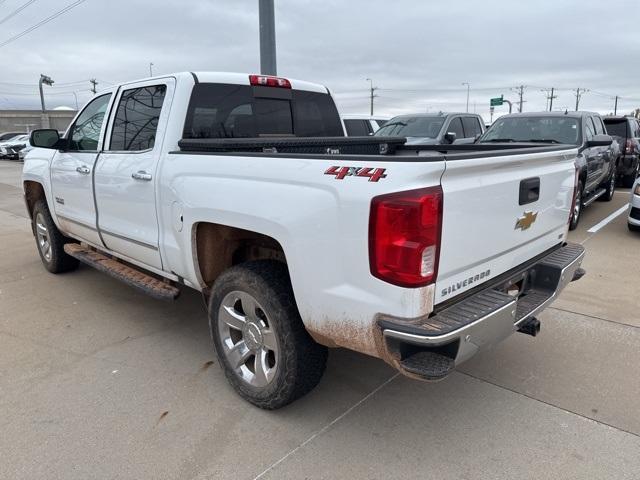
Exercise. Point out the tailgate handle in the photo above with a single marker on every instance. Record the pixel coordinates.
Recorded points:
(529, 190)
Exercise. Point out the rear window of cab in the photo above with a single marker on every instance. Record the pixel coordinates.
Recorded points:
(244, 111)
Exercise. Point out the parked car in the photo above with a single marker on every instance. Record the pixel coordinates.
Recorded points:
(434, 129)
(15, 148)
(202, 180)
(9, 135)
(361, 125)
(633, 220)
(597, 154)
(626, 131)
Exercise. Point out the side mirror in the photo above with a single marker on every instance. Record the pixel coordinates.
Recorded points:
(600, 141)
(450, 137)
(45, 138)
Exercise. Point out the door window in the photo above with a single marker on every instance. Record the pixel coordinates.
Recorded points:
(589, 130)
(136, 122)
(357, 128)
(85, 132)
(471, 126)
(456, 127)
(599, 126)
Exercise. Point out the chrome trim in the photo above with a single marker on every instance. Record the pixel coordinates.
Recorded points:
(122, 237)
(490, 328)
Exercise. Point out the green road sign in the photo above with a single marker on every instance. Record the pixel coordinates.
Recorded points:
(496, 102)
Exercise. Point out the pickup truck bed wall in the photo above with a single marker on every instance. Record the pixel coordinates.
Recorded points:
(187, 213)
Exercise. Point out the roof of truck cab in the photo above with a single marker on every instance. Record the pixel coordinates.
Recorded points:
(229, 77)
(578, 114)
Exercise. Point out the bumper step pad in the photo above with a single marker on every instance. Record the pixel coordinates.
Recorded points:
(131, 276)
(428, 365)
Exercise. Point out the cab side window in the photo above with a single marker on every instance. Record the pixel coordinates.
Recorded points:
(455, 126)
(84, 135)
(357, 128)
(589, 129)
(471, 126)
(136, 121)
(599, 126)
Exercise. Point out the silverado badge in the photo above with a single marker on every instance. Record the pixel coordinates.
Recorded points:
(526, 220)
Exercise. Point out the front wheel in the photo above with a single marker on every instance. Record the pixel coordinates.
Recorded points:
(50, 241)
(633, 228)
(261, 343)
(577, 207)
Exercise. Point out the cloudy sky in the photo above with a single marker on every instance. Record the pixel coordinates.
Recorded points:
(417, 52)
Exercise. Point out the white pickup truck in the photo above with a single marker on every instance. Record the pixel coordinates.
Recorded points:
(243, 187)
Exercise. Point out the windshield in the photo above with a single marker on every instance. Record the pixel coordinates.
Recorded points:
(428, 127)
(533, 129)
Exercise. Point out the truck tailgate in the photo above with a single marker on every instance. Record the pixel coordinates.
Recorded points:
(502, 211)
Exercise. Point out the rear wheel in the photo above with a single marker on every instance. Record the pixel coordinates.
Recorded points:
(50, 241)
(628, 180)
(610, 187)
(261, 343)
(577, 207)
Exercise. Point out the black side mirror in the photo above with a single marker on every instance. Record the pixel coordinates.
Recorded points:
(450, 137)
(45, 138)
(600, 141)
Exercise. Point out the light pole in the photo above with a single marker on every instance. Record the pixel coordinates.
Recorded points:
(267, 23)
(151, 69)
(468, 87)
(371, 90)
(47, 81)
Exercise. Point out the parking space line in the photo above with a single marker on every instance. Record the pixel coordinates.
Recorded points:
(611, 217)
(329, 425)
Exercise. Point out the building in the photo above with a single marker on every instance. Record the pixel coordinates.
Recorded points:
(27, 120)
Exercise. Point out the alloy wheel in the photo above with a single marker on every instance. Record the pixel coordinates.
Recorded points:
(42, 235)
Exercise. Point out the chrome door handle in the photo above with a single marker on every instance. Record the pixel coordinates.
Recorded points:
(141, 175)
(83, 170)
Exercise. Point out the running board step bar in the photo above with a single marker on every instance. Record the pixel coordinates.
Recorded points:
(428, 365)
(150, 285)
(593, 197)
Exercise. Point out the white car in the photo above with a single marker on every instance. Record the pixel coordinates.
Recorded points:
(301, 242)
(16, 148)
(633, 220)
(362, 125)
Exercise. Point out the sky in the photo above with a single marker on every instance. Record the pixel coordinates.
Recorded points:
(418, 53)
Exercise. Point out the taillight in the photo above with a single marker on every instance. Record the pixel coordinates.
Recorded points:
(404, 236)
(628, 148)
(269, 81)
(575, 192)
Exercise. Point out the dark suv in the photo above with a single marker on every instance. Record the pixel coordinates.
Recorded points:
(596, 161)
(434, 128)
(626, 131)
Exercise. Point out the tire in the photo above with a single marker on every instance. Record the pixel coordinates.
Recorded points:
(267, 355)
(628, 180)
(577, 210)
(49, 241)
(610, 187)
(633, 228)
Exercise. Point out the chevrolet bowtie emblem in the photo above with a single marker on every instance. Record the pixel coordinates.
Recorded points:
(526, 220)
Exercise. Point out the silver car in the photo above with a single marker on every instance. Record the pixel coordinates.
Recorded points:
(634, 208)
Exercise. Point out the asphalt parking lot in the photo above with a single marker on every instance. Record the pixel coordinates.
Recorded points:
(99, 381)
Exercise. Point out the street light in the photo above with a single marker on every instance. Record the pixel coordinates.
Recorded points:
(47, 81)
(468, 87)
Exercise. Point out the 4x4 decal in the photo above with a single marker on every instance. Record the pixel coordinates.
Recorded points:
(374, 174)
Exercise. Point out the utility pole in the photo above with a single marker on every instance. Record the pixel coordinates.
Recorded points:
(615, 108)
(579, 93)
(468, 87)
(46, 80)
(520, 91)
(93, 82)
(550, 96)
(267, 38)
(151, 69)
(372, 96)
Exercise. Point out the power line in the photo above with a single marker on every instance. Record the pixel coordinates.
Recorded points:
(17, 11)
(42, 22)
